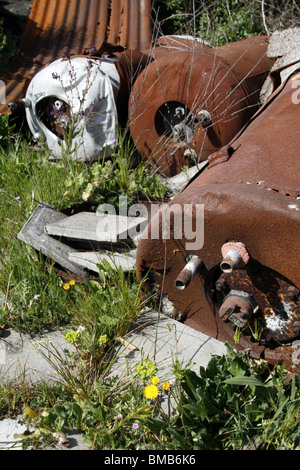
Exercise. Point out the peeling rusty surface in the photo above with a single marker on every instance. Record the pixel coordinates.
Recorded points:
(188, 79)
(251, 194)
(75, 26)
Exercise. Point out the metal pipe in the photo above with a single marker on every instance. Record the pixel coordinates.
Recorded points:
(19, 104)
(235, 255)
(188, 273)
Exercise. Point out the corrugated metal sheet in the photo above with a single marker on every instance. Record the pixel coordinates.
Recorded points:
(75, 25)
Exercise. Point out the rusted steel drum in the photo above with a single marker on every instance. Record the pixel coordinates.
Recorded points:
(194, 98)
(225, 251)
(74, 26)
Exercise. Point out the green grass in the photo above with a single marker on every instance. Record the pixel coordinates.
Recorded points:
(32, 298)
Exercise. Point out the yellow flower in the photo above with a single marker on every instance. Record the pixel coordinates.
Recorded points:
(151, 391)
(29, 412)
(154, 380)
(67, 286)
(102, 339)
(72, 282)
(72, 336)
(166, 386)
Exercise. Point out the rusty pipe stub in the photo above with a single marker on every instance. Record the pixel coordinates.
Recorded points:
(235, 255)
(188, 273)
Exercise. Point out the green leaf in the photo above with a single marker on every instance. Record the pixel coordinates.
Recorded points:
(178, 438)
(244, 380)
(156, 425)
(194, 409)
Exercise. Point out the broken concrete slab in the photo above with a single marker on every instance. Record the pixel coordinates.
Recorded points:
(283, 42)
(165, 341)
(34, 235)
(21, 357)
(176, 183)
(91, 260)
(284, 47)
(153, 335)
(8, 428)
(97, 227)
(12, 429)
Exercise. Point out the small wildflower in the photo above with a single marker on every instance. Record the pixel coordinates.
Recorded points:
(151, 391)
(83, 427)
(42, 342)
(72, 282)
(17, 198)
(154, 380)
(102, 339)
(55, 76)
(135, 426)
(72, 336)
(146, 369)
(67, 286)
(166, 386)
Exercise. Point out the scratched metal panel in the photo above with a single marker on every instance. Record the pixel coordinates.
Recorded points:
(75, 26)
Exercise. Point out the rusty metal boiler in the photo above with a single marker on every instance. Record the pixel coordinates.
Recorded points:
(240, 282)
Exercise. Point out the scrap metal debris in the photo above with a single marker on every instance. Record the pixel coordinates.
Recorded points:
(244, 287)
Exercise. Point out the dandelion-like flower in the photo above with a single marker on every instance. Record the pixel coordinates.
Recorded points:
(166, 386)
(67, 286)
(154, 380)
(151, 392)
(72, 282)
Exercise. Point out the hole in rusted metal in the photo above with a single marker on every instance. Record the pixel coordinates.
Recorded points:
(174, 119)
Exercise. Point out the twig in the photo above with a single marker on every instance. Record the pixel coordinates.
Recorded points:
(263, 16)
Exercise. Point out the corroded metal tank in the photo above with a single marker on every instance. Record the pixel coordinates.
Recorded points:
(225, 251)
(193, 98)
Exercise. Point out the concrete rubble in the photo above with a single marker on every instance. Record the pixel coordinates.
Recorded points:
(284, 47)
(80, 242)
